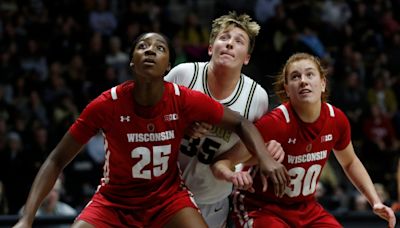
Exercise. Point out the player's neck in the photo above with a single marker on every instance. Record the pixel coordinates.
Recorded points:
(222, 81)
(308, 113)
(148, 94)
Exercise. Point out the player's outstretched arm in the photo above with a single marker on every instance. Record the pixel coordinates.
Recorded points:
(64, 152)
(358, 175)
(255, 144)
(223, 166)
(198, 129)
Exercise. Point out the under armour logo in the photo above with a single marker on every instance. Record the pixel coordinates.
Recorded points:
(292, 141)
(125, 118)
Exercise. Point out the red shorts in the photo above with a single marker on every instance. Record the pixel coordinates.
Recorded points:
(308, 214)
(100, 215)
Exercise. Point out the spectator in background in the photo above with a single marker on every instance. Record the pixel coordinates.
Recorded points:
(3, 199)
(350, 96)
(118, 59)
(102, 20)
(382, 96)
(3, 132)
(359, 203)
(310, 38)
(194, 37)
(52, 205)
(396, 203)
(265, 9)
(38, 110)
(380, 144)
(15, 171)
(94, 58)
(66, 40)
(39, 148)
(77, 81)
(34, 61)
(335, 13)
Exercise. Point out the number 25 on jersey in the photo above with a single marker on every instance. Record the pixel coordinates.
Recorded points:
(157, 155)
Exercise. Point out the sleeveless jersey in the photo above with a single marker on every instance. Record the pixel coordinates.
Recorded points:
(307, 147)
(141, 154)
(249, 99)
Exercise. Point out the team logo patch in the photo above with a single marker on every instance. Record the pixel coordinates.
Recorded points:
(150, 127)
(309, 147)
(326, 138)
(171, 117)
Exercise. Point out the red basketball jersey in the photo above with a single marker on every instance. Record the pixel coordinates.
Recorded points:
(307, 147)
(141, 154)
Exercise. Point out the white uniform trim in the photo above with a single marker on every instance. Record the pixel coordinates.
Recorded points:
(114, 93)
(248, 98)
(331, 112)
(176, 88)
(285, 113)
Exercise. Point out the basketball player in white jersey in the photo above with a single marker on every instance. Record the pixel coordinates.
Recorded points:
(232, 40)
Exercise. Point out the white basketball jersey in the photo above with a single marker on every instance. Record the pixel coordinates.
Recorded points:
(249, 99)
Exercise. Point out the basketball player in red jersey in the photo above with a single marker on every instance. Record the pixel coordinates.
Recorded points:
(308, 129)
(142, 122)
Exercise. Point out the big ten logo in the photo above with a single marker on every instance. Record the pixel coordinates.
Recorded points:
(326, 138)
(171, 117)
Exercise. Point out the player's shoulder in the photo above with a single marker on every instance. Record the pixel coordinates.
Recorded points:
(333, 110)
(187, 67)
(185, 73)
(117, 92)
(282, 112)
(249, 82)
(335, 113)
(177, 89)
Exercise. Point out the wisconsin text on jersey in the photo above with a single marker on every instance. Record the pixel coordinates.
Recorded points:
(151, 137)
(309, 157)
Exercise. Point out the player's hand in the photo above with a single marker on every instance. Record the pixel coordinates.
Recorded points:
(386, 213)
(198, 129)
(277, 174)
(276, 150)
(242, 180)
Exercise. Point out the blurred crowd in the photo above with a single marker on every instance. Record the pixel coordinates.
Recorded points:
(55, 56)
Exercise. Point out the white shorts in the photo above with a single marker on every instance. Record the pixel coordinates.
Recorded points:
(215, 214)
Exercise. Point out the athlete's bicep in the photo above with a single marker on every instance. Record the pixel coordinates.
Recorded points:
(65, 150)
(231, 120)
(346, 155)
(200, 107)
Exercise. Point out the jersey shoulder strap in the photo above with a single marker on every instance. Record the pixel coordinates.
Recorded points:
(331, 110)
(113, 92)
(176, 89)
(285, 112)
(287, 117)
